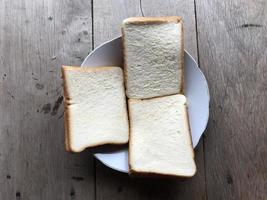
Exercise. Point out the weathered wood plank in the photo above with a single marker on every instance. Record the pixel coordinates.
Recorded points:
(36, 37)
(108, 16)
(232, 52)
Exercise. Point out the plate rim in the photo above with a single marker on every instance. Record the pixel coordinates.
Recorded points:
(199, 70)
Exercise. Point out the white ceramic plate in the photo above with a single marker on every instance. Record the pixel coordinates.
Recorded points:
(196, 91)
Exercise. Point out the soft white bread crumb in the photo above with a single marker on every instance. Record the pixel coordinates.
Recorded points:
(153, 55)
(160, 140)
(95, 107)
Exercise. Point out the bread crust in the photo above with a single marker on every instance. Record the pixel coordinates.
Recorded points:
(189, 128)
(93, 146)
(67, 115)
(125, 71)
(87, 69)
(182, 59)
(66, 112)
(130, 131)
(134, 173)
(152, 20)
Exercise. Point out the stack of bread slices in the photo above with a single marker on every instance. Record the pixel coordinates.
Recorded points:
(156, 124)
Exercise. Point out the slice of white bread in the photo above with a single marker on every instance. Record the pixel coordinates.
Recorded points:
(153, 56)
(95, 107)
(160, 141)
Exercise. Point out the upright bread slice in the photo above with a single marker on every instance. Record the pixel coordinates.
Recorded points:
(95, 107)
(153, 56)
(160, 140)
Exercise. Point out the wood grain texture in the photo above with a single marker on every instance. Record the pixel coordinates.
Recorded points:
(108, 16)
(36, 38)
(110, 184)
(233, 54)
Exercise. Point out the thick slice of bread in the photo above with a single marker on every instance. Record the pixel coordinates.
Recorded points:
(160, 140)
(95, 107)
(153, 56)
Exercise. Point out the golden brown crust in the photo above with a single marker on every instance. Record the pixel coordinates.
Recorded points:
(152, 20)
(96, 145)
(189, 128)
(125, 72)
(134, 173)
(87, 69)
(67, 147)
(66, 114)
(130, 131)
(182, 59)
(67, 120)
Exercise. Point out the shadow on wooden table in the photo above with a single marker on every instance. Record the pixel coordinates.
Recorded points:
(109, 182)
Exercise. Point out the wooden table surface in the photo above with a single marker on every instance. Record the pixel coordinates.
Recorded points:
(228, 39)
